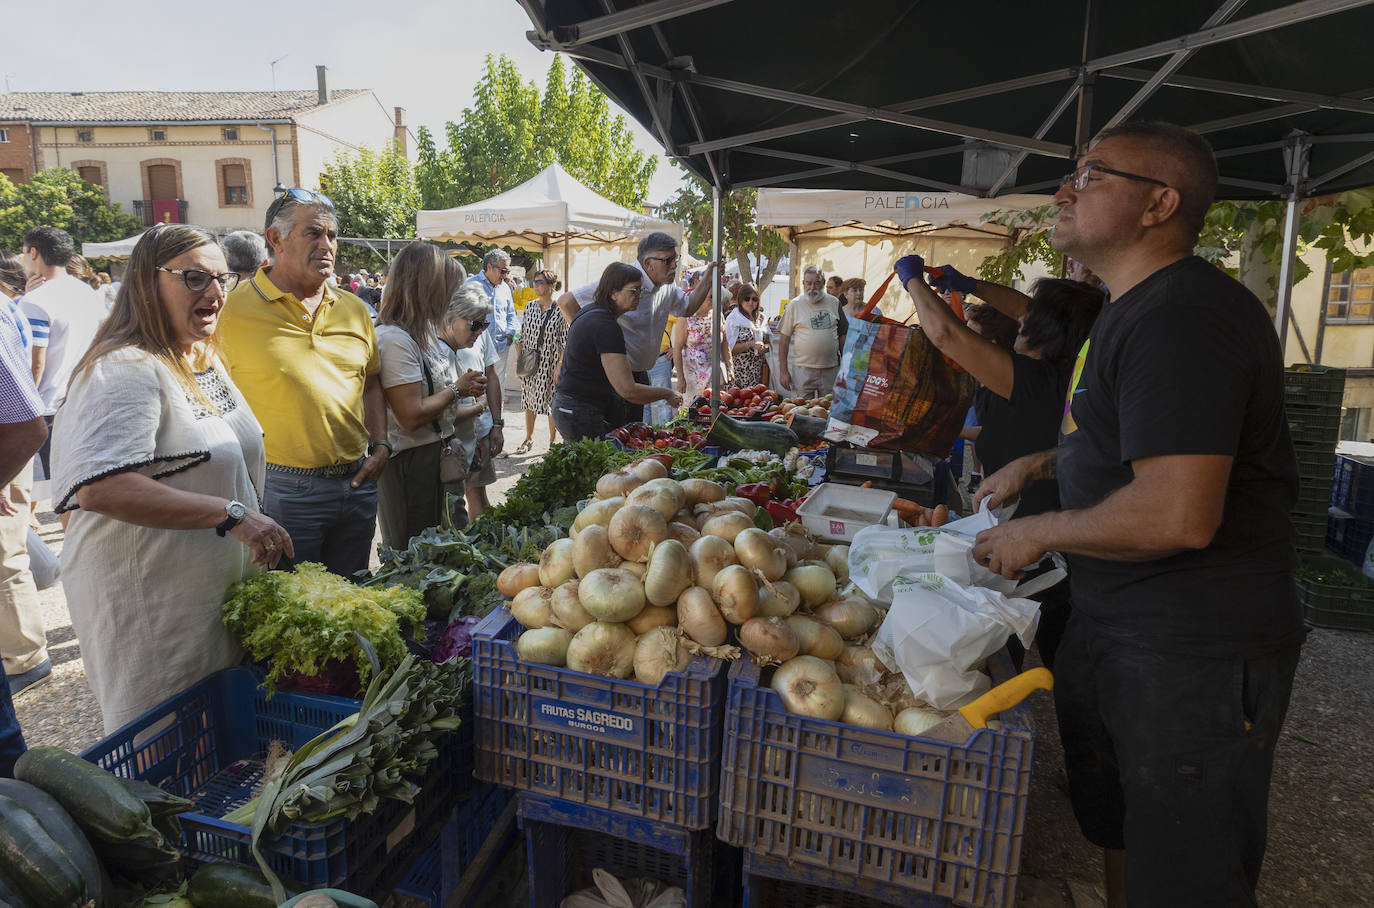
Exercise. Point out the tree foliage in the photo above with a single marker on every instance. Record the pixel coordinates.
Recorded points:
(375, 195)
(741, 235)
(60, 198)
(513, 131)
(1030, 242)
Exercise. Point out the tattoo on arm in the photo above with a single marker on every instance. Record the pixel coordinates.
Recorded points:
(1046, 465)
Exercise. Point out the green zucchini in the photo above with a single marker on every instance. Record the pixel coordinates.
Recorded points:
(230, 886)
(9, 891)
(58, 824)
(341, 898)
(736, 435)
(101, 806)
(166, 808)
(37, 864)
(808, 428)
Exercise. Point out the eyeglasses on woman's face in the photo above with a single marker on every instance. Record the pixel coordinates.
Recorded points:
(197, 280)
(478, 325)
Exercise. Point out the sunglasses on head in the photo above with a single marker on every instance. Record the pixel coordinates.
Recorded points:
(300, 196)
(196, 280)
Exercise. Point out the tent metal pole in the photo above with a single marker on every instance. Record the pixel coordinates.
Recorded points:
(718, 366)
(1297, 154)
(567, 264)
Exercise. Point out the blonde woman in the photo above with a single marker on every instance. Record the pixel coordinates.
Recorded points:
(158, 457)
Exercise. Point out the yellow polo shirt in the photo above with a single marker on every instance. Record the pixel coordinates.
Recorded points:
(302, 375)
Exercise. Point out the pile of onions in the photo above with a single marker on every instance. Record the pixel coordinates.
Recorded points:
(634, 529)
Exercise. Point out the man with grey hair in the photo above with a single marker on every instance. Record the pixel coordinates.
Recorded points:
(492, 281)
(814, 318)
(246, 252)
(305, 355)
(660, 297)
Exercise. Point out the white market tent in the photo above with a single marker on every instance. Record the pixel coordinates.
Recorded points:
(856, 233)
(551, 212)
(115, 249)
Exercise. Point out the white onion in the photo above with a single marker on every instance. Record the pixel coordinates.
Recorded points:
(598, 512)
(567, 608)
(865, 712)
(736, 594)
(727, 525)
(516, 578)
(556, 564)
(849, 617)
(699, 618)
(916, 720)
(759, 551)
(778, 600)
(710, 555)
(633, 529)
(837, 558)
(815, 583)
(611, 594)
(545, 645)
(533, 606)
(658, 652)
(653, 616)
(663, 495)
(859, 665)
(592, 551)
(794, 538)
(769, 639)
(619, 483)
(669, 572)
(648, 469)
(702, 490)
(809, 687)
(684, 532)
(603, 648)
(814, 638)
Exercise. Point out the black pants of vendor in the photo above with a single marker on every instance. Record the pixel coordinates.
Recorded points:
(1161, 762)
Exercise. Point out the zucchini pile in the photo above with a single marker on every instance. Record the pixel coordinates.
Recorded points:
(65, 822)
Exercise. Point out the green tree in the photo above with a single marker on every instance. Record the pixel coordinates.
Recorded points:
(513, 131)
(740, 233)
(375, 195)
(60, 198)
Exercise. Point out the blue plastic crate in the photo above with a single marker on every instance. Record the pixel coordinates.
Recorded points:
(1348, 536)
(207, 744)
(647, 751)
(1352, 486)
(565, 842)
(439, 869)
(879, 808)
(770, 883)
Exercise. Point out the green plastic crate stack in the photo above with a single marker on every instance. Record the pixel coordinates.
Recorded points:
(1312, 398)
(1335, 595)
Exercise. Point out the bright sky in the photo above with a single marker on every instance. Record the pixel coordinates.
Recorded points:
(423, 55)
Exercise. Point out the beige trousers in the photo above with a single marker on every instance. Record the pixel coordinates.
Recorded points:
(22, 641)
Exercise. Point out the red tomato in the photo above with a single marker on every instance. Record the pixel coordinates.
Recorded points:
(696, 438)
(664, 459)
(661, 443)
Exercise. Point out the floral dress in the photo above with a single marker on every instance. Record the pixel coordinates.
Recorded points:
(546, 331)
(697, 356)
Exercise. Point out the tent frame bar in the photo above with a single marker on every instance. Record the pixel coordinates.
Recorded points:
(616, 23)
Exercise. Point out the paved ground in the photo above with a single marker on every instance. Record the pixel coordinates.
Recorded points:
(1322, 805)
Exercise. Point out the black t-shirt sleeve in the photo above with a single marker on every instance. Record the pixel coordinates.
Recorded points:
(1184, 382)
(607, 337)
(1034, 381)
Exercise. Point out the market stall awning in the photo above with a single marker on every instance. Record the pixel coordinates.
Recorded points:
(541, 213)
(116, 249)
(980, 99)
(877, 207)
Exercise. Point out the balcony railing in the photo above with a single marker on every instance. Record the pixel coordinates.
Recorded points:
(160, 211)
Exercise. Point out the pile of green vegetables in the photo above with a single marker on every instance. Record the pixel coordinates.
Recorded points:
(308, 619)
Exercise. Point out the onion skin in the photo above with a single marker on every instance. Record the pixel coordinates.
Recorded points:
(592, 551)
(598, 513)
(669, 572)
(770, 639)
(780, 601)
(815, 582)
(611, 594)
(865, 712)
(516, 578)
(658, 652)
(556, 564)
(837, 557)
(603, 648)
(816, 639)
(663, 495)
(727, 526)
(757, 550)
(710, 556)
(533, 607)
(619, 483)
(683, 532)
(809, 687)
(916, 721)
(653, 616)
(859, 665)
(849, 617)
(635, 568)
(736, 594)
(701, 491)
(648, 468)
(567, 608)
(635, 528)
(544, 645)
(699, 619)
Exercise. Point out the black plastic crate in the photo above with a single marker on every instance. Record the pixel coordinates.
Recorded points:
(1352, 487)
(772, 883)
(1316, 463)
(440, 868)
(565, 842)
(1309, 385)
(1320, 426)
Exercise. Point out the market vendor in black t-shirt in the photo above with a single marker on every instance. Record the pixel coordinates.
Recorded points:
(1026, 385)
(1177, 474)
(595, 381)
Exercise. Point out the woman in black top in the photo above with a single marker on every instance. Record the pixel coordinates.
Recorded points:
(1027, 386)
(596, 382)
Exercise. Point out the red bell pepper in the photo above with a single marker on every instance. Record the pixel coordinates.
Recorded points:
(760, 493)
(782, 514)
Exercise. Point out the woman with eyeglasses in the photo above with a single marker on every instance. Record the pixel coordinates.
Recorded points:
(418, 332)
(596, 383)
(160, 461)
(545, 332)
(747, 336)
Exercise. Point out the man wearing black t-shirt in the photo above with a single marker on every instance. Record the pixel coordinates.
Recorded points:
(1176, 474)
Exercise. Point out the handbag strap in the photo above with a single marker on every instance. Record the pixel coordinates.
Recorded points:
(429, 379)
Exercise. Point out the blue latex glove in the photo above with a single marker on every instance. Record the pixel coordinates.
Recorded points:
(910, 266)
(953, 280)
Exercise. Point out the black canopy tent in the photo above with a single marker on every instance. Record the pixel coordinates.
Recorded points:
(983, 98)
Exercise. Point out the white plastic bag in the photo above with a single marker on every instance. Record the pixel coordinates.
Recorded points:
(938, 632)
(42, 562)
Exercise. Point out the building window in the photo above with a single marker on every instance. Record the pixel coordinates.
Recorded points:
(4, 134)
(157, 135)
(231, 134)
(234, 180)
(91, 174)
(13, 174)
(1350, 297)
(85, 135)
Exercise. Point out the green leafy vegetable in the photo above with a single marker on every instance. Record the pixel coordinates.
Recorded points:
(305, 619)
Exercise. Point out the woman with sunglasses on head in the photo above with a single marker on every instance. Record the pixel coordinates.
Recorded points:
(160, 461)
(747, 336)
(470, 314)
(417, 335)
(596, 384)
(543, 334)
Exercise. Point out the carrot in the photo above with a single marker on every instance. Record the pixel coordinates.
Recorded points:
(902, 506)
(867, 485)
(940, 516)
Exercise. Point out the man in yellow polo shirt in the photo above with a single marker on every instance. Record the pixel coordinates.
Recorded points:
(304, 354)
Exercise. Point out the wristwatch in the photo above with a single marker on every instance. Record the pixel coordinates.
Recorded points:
(499, 423)
(235, 511)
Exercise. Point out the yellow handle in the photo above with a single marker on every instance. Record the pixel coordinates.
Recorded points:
(1006, 695)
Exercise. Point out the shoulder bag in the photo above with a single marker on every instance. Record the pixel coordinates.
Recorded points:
(453, 463)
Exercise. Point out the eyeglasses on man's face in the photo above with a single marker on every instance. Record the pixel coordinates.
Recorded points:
(670, 261)
(1082, 177)
(197, 280)
(298, 195)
